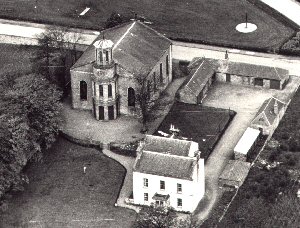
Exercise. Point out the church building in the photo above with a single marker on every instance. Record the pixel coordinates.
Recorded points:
(103, 79)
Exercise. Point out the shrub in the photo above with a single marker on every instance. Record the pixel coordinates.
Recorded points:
(294, 145)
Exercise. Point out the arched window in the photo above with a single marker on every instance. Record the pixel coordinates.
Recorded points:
(109, 90)
(131, 97)
(83, 90)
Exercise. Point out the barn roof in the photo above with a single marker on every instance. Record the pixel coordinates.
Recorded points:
(235, 170)
(246, 141)
(165, 165)
(266, 113)
(136, 46)
(256, 71)
(167, 145)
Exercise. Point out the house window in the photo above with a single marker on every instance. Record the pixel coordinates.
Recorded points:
(167, 65)
(145, 196)
(161, 80)
(146, 182)
(131, 97)
(101, 90)
(107, 57)
(179, 202)
(109, 90)
(83, 90)
(179, 188)
(162, 185)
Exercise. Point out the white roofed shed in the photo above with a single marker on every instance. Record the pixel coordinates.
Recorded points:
(246, 143)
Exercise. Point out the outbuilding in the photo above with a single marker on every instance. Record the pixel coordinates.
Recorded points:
(246, 144)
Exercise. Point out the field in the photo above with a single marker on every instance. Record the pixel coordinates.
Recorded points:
(61, 195)
(202, 21)
(204, 125)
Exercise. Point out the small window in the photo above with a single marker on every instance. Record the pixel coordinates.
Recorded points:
(146, 182)
(145, 196)
(179, 202)
(154, 81)
(107, 57)
(162, 185)
(94, 88)
(101, 90)
(109, 90)
(101, 56)
(179, 188)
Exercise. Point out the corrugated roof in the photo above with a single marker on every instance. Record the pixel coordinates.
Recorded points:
(167, 145)
(257, 71)
(266, 115)
(136, 46)
(235, 170)
(165, 165)
(246, 141)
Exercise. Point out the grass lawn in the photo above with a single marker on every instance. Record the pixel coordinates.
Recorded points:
(204, 125)
(202, 21)
(61, 195)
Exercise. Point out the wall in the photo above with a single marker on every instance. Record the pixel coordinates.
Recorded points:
(76, 77)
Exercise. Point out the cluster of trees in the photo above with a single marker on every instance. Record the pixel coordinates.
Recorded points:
(292, 46)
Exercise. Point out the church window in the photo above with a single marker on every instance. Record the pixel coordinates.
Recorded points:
(83, 90)
(131, 97)
(107, 57)
(154, 81)
(161, 73)
(167, 65)
(101, 56)
(109, 90)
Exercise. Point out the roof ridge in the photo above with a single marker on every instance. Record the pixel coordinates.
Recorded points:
(169, 155)
(161, 35)
(277, 72)
(156, 136)
(123, 36)
(266, 118)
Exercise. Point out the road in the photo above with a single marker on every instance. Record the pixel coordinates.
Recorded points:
(289, 8)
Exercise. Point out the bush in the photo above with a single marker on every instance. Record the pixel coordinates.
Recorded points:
(128, 149)
(294, 145)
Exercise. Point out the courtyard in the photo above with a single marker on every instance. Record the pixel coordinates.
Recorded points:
(245, 101)
(61, 195)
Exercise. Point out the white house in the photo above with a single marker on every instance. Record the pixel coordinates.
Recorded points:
(168, 172)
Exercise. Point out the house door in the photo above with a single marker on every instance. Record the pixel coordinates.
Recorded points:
(111, 112)
(101, 113)
(228, 78)
(274, 84)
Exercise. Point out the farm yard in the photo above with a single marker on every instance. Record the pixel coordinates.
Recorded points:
(211, 22)
(204, 125)
(61, 195)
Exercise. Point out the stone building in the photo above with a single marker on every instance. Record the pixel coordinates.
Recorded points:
(103, 79)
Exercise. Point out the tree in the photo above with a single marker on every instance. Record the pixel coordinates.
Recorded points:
(150, 105)
(114, 20)
(155, 217)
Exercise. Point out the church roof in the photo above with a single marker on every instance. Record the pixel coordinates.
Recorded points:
(165, 165)
(136, 46)
(167, 145)
(266, 115)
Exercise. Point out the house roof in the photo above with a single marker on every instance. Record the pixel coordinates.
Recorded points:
(257, 71)
(136, 46)
(167, 145)
(200, 72)
(246, 141)
(165, 165)
(235, 170)
(266, 113)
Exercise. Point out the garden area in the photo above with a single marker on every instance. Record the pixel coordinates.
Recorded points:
(60, 194)
(268, 197)
(204, 125)
(208, 22)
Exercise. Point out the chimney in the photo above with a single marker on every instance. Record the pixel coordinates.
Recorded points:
(276, 111)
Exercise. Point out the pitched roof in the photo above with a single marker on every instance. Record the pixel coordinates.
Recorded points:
(246, 141)
(201, 71)
(165, 165)
(257, 71)
(136, 46)
(266, 115)
(167, 145)
(235, 170)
